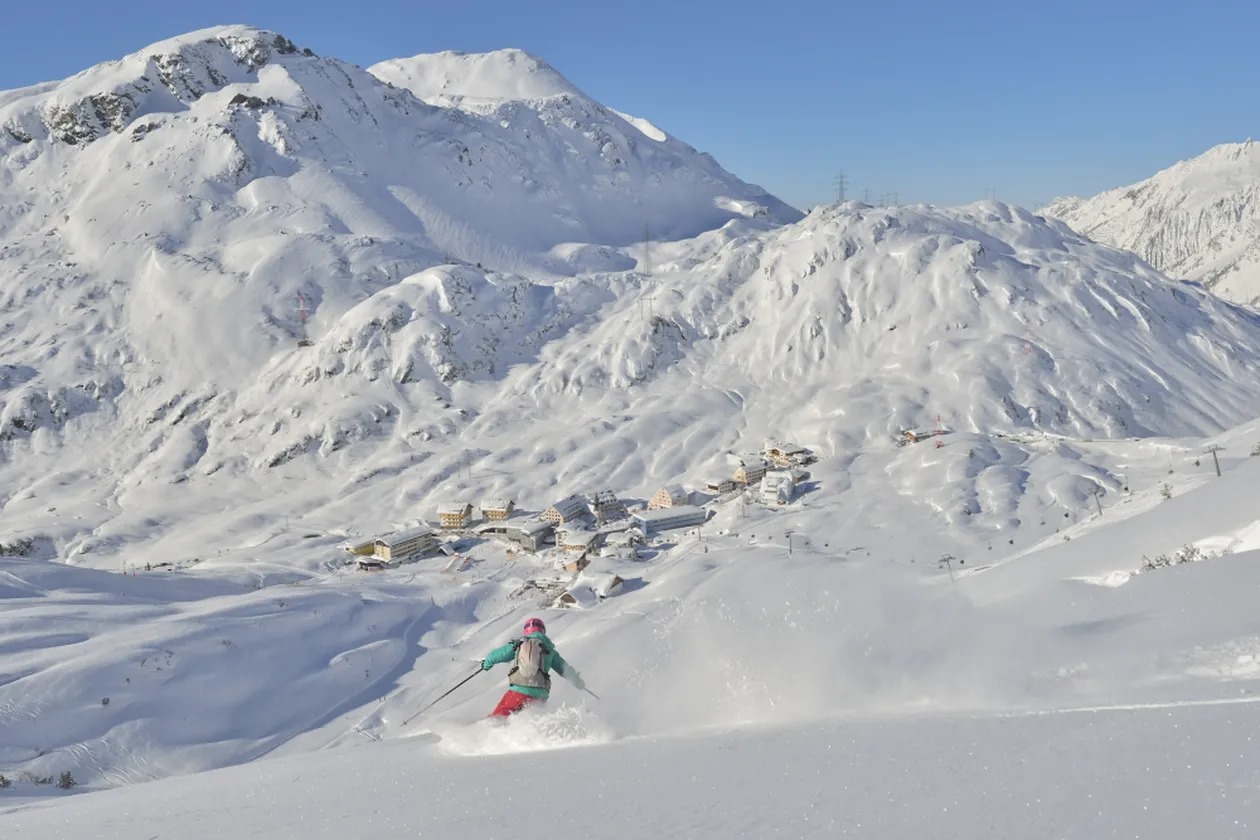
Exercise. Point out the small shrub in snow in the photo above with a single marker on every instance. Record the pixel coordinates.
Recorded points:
(65, 781)
(1189, 553)
(1256, 449)
(1166, 491)
(28, 776)
(4, 783)
(18, 548)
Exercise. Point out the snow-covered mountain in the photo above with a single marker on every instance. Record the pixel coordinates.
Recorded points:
(183, 463)
(528, 98)
(1198, 219)
(480, 82)
(165, 214)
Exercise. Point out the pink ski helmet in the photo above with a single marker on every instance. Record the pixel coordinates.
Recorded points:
(535, 625)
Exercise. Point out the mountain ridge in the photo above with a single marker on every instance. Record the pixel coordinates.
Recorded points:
(308, 269)
(1199, 219)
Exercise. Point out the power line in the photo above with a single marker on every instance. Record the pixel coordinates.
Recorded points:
(647, 299)
(303, 312)
(840, 183)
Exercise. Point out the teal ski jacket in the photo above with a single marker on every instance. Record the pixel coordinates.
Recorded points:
(552, 661)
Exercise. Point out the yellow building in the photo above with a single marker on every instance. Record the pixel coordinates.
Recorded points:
(787, 454)
(455, 515)
(496, 510)
(751, 471)
(409, 545)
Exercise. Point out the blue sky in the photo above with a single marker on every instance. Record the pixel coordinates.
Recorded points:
(945, 102)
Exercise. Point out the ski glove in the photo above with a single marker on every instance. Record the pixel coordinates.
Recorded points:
(577, 681)
(486, 665)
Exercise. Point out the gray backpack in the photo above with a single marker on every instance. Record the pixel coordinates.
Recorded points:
(530, 667)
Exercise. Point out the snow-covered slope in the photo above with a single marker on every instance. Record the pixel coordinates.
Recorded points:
(161, 215)
(881, 319)
(179, 477)
(737, 670)
(529, 99)
(475, 80)
(840, 330)
(1198, 219)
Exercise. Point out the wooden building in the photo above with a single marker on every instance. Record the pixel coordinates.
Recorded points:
(671, 495)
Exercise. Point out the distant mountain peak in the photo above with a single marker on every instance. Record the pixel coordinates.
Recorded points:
(451, 77)
(1199, 219)
(165, 76)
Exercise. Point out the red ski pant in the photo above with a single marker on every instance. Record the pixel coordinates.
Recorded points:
(512, 702)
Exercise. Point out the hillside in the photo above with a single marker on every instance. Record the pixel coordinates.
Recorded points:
(260, 308)
(1198, 220)
(1043, 676)
(153, 362)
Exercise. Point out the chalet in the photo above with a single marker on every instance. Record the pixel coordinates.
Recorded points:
(751, 471)
(496, 510)
(777, 488)
(575, 564)
(578, 541)
(671, 495)
(455, 515)
(787, 454)
(607, 507)
(371, 564)
(565, 511)
(589, 589)
(407, 546)
(682, 516)
(719, 485)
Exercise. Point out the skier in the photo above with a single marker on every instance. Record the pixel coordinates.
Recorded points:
(534, 656)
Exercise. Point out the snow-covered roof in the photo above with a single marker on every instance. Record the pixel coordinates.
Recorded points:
(650, 517)
(496, 504)
(591, 585)
(580, 595)
(533, 526)
(773, 477)
(410, 534)
(454, 508)
(571, 507)
(577, 537)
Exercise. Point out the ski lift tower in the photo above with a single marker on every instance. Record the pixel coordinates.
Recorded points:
(302, 313)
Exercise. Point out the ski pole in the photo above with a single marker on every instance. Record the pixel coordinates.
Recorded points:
(447, 694)
(593, 694)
